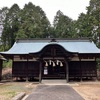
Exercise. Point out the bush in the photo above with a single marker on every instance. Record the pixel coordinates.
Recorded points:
(7, 64)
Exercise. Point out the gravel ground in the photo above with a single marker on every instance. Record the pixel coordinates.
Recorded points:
(88, 90)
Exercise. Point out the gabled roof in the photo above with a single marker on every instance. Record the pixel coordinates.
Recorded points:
(35, 46)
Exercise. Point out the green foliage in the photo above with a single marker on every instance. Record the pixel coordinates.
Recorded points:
(11, 25)
(83, 26)
(31, 22)
(7, 64)
(93, 12)
(88, 25)
(63, 26)
(34, 23)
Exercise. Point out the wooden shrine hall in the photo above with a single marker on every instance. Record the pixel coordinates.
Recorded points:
(53, 58)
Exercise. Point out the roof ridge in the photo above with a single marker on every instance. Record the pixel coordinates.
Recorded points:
(53, 40)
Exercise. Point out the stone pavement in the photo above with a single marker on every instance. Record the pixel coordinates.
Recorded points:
(54, 82)
(54, 92)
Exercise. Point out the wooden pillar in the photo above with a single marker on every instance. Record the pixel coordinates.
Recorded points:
(96, 70)
(27, 70)
(12, 70)
(80, 69)
(67, 71)
(40, 72)
(0, 69)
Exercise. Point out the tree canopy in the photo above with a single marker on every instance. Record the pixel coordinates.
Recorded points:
(63, 26)
(32, 22)
(10, 25)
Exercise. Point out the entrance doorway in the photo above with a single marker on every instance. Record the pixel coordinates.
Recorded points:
(54, 69)
(54, 63)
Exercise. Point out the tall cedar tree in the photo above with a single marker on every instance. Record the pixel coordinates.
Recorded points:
(3, 13)
(63, 26)
(94, 20)
(34, 23)
(11, 26)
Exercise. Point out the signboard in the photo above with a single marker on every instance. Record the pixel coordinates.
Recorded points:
(45, 71)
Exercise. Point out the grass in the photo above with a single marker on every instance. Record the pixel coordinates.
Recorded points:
(10, 89)
(6, 92)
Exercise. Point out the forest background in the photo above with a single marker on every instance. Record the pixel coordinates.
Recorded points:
(32, 22)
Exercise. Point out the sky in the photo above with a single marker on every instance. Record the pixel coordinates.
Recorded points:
(70, 8)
